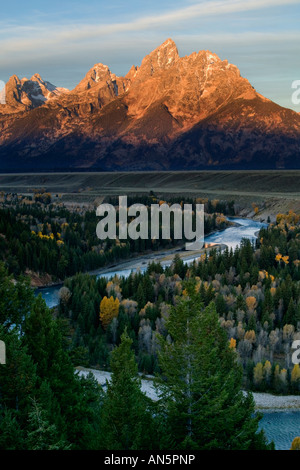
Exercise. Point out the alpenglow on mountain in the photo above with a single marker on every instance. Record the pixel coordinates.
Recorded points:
(170, 113)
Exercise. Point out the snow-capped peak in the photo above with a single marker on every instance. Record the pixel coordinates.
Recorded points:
(30, 93)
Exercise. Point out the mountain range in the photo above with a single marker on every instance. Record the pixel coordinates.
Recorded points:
(170, 113)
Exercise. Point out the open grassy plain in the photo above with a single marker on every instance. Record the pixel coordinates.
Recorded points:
(272, 191)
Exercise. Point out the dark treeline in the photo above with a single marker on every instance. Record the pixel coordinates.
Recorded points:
(50, 239)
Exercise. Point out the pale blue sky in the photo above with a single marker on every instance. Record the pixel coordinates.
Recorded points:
(62, 40)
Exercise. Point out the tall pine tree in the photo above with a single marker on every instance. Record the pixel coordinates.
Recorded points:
(200, 385)
(126, 416)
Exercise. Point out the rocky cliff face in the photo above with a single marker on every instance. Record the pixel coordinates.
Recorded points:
(172, 112)
(23, 95)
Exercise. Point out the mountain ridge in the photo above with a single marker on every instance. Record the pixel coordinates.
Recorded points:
(171, 112)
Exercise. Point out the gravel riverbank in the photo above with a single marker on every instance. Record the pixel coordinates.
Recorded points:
(267, 401)
(263, 401)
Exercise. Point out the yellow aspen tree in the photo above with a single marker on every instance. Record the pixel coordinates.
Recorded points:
(295, 444)
(250, 336)
(258, 374)
(273, 291)
(251, 303)
(109, 308)
(295, 375)
(232, 343)
(267, 371)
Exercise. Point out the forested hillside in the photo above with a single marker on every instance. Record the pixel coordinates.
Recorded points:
(255, 289)
(48, 238)
(44, 405)
(207, 331)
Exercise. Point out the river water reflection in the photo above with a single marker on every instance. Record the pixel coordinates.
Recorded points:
(231, 237)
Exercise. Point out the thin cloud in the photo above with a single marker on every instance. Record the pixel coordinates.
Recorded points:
(243, 38)
(34, 37)
(63, 49)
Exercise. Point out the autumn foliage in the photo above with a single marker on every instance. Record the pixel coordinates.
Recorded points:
(109, 308)
(296, 444)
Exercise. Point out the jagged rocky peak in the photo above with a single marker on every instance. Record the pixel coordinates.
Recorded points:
(132, 72)
(166, 54)
(208, 61)
(25, 94)
(97, 74)
(14, 80)
(36, 80)
(213, 59)
(99, 87)
(162, 57)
